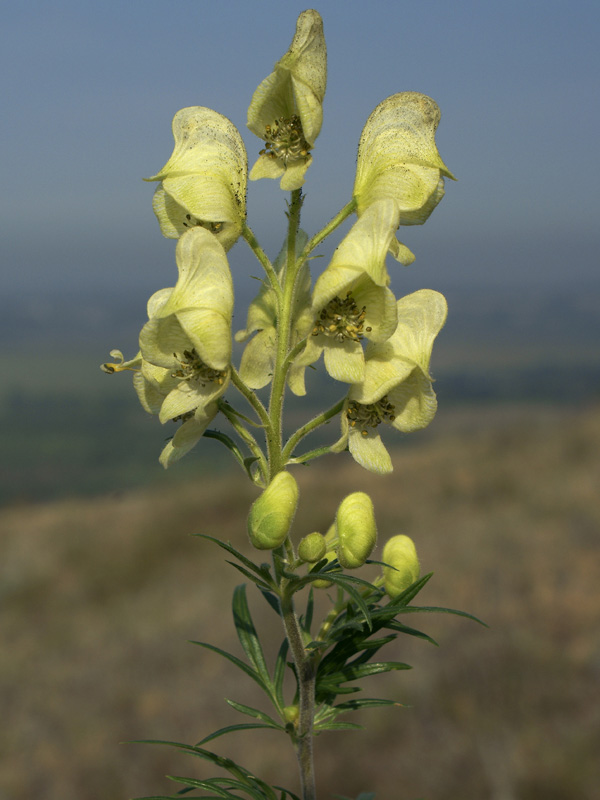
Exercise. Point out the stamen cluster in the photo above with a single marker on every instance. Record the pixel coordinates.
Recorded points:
(193, 368)
(371, 415)
(193, 222)
(342, 319)
(285, 140)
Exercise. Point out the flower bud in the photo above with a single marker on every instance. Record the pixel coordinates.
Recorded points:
(312, 548)
(271, 515)
(322, 583)
(399, 552)
(291, 714)
(356, 530)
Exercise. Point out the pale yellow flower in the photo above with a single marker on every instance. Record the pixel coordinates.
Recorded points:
(351, 300)
(397, 388)
(286, 110)
(204, 181)
(398, 159)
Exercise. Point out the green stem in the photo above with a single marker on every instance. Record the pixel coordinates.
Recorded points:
(316, 240)
(306, 671)
(260, 254)
(284, 326)
(321, 419)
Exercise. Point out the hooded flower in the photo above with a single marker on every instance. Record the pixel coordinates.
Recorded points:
(286, 110)
(258, 359)
(204, 181)
(397, 387)
(351, 300)
(185, 347)
(398, 159)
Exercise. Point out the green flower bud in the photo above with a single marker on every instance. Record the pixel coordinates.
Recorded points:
(271, 515)
(356, 530)
(291, 713)
(321, 583)
(312, 548)
(399, 552)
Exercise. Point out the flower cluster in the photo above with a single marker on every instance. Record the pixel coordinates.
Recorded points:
(376, 345)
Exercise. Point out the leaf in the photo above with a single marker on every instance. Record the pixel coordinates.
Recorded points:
(254, 712)
(242, 726)
(250, 782)
(338, 726)
(279, 673)
(262, 571)
(248, 637)
(272, 600)
(238, 663)
(439, 610)
(229, 444)
(247, 574)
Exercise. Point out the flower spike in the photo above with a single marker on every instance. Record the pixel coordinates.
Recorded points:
(204, 182)
(286, 110)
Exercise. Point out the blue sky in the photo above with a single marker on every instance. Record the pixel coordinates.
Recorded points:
(89, 90)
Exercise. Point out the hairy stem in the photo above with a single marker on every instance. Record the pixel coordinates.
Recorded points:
(306, 671)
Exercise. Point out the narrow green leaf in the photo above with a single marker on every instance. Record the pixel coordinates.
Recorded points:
(439, 610)
(262, 571)
(279, 672)
(248, 636)
(255, 713)
(242, 726)
(238, 663)
(272, 600)
(247, 574)
(338, 726)
(228, 442)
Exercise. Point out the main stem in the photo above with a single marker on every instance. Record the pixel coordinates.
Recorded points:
(305, 666)
(305, 669)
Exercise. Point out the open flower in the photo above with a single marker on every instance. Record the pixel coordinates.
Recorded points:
(286, 110)
(196, 313)
(258, 359)
(351, 300)
(398, 159)
(185, 347)
(397, 387)
(204, 181)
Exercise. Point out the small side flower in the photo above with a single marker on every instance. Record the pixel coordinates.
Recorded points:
(397, 388)
(398, 159)
(286, 110)
(204, 181)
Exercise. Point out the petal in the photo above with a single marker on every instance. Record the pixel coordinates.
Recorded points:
(190, 396)
(381, 375)
(366, 245)
(266, 167)
(258, 359)
(186, 437)
(421, 316)
(369, 451)
(381, 315)
(344, 361)
(174, 220)
(293, 177)
(206, 174)
(398, 157)
(414, 403)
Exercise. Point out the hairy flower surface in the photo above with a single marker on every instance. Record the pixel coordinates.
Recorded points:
(286, 110)
(397, 388)
(351, 301)
(204, 181)
(258, 359)
(398, 159)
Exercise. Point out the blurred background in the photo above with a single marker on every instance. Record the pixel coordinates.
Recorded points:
(100, 580)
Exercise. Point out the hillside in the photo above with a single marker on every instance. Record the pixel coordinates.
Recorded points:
(101, 595)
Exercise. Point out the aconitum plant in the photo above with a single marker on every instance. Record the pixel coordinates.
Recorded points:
(377, 348)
